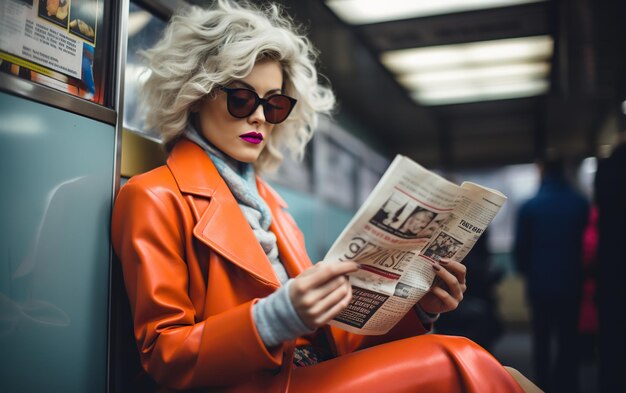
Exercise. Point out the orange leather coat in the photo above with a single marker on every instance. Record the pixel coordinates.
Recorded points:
(193, 269)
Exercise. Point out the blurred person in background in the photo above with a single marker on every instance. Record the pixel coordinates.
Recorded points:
(548, 252)
(610, 198)
(588, 320)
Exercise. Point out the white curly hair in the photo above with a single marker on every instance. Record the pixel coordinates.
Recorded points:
(203, 48)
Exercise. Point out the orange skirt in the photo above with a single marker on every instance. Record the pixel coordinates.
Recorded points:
(430, 364)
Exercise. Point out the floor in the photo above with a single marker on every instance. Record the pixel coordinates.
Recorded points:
(513, 349)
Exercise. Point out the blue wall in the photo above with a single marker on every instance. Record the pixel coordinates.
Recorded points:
(55, 204)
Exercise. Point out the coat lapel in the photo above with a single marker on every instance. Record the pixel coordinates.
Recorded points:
(222, 226)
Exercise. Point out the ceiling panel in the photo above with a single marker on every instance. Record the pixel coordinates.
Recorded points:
(483, 25)
(482, 122)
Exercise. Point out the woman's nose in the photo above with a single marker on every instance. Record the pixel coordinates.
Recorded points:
(258, 116)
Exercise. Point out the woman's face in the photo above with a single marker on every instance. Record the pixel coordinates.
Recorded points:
(241, 139)
(430, 229)
(418, 221)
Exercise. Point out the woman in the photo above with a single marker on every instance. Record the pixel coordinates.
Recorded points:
(433, 226)
(223, 294)
(417, 221)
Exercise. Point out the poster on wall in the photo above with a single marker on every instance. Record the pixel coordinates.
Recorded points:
(54, 43)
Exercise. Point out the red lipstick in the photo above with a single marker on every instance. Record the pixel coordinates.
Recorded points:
(252, 137)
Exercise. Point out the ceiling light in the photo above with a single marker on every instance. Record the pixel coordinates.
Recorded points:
(488, 91)
(372, 11)
(420, 80)
(469, 54)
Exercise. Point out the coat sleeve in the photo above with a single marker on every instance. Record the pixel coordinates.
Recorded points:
(177, 348)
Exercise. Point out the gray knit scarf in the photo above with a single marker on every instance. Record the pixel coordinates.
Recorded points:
(241, 180)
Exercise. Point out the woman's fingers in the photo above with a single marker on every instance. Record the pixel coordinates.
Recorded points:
(453, 278)
(447, 299)
(319, 293)
(456, 268)
(311, 297)
(453, 273)
(337, 308)
(447, 290)
(329, 306)
(322, 273)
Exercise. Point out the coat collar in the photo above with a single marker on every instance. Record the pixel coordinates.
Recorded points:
(222, 226)
(192, 168)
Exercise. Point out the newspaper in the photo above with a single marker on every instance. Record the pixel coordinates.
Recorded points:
(412, 218)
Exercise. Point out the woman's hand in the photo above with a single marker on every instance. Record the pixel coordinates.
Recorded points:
(448, 288)
(320, 293)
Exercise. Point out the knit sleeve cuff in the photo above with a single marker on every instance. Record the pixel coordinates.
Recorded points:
(425, 317)
(276, 319)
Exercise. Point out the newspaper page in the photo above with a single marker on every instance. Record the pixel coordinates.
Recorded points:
(411, 218)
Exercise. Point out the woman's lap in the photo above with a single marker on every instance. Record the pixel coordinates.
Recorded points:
(429, 363)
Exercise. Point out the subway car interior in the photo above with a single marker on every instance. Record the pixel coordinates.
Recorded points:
(474, 90)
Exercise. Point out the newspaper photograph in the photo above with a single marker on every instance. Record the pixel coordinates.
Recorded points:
(412, 218)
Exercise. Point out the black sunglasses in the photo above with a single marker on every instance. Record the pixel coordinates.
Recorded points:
(243, 102)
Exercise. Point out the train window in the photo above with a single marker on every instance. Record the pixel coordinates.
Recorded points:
(144, 29)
